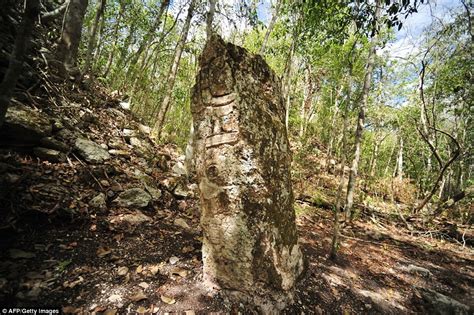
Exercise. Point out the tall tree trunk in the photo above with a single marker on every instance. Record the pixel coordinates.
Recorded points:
(361, 119)
(115, 39)
(307, 99)
(210, 18)
(275, 14)
(373, 163)
(398, 172)
(338, 206)
(148, 36)
(7, 86)
(93, 37)
(171, 77)
(68, 45)
(287, 80)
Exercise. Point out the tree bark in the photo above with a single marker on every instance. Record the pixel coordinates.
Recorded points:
(68, 45)
(287, 80)
(149, 35)
(361, 120)
(93, 37)
(338, 206)
(210, 18)
(22, 40)
(171, 77)
(275, 13)
(115, 39)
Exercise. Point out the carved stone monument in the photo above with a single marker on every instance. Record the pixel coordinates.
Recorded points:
(242, 160)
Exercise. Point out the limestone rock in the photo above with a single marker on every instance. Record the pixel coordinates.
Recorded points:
(179, 169)
(134, 197)
(98, 202)
(49, 155)
(441, 304)
(24, 125)
(242, 160)
(144, 129)
(414, 269)
(51, 143)
(155, 193)
(91, 151)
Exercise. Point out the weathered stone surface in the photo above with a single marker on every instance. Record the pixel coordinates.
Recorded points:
(24, 125)
(441, 304)
(135, 197)
(242, 157)
(49, 154)
(99, 201)
(91, 151)
(51, 143)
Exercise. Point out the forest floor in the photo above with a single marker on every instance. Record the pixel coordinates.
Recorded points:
(59, 251)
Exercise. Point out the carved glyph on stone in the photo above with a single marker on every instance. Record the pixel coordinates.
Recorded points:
(242, 159)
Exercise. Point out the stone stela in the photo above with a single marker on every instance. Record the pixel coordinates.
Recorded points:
(242, 158)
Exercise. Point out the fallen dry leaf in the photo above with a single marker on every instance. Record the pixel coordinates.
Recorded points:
(103, 251)
(167, 300)
(138, 296)
(144, 285)
(122, 271)
(179, 272)
(174, 260)
(141, 310)
(139, 269)
(110, 311)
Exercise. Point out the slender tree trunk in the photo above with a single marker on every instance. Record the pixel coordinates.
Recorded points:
(399, 167)
(210, 18)
(338, 206)
(275, 14)
(387, 167)
(22, 40)
(115, 39)
(307, 99)
(148, 36)
(68, 45)
(93, 37)
(373, 164)
(361, 120)
(171, 77)
(287, 81)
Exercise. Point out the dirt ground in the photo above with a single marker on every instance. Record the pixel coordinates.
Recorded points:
(86, 265)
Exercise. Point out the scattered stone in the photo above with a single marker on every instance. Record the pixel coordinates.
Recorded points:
(125, 105)
(98, 202)
(174, 260)
(91, 151)
(155, 193)
(20, 254)
(134, 197)
(119, 152)
(49, 155)
(414, 269)
(144, 129)
(52, 143)
(24, 125)
(134, 141)
(441, 304)
(128, 133)
(179, 169)
(181, 223)
(182, 190)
